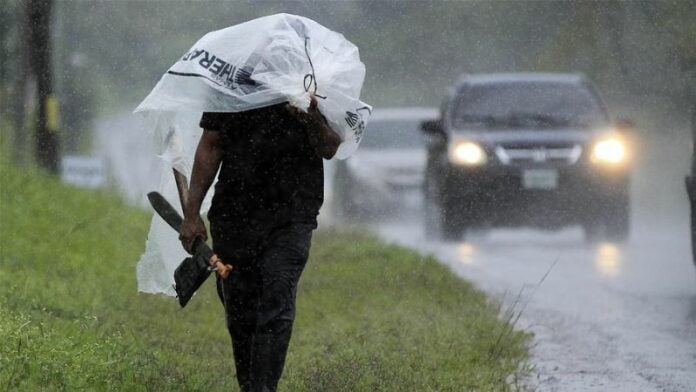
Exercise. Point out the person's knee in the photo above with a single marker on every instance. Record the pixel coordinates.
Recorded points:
(277, 305)
(275, 318)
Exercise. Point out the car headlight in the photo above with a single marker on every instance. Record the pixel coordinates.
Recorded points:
(467, 153)
(611, 150)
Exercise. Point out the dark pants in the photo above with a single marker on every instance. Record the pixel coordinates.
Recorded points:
(259, 302)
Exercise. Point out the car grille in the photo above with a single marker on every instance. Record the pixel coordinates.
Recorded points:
(559, 154)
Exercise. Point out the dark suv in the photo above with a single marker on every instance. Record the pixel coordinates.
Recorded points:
(526, 149)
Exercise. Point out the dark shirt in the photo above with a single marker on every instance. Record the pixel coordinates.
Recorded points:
(270, 177)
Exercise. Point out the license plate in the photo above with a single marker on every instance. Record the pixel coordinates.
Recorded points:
(540, 179)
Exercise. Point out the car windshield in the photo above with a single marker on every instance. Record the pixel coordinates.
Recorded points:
(528, 105)
(392, 134)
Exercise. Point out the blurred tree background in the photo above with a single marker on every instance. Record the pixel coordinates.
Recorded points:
(109, 54)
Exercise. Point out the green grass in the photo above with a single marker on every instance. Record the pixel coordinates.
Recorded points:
(371, 317)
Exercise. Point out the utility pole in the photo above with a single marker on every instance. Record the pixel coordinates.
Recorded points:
(19, 85)
(47, 138)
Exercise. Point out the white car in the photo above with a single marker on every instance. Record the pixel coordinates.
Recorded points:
(386, 173)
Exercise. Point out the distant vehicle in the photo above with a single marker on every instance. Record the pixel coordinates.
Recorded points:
(526, 149)
(387, 170)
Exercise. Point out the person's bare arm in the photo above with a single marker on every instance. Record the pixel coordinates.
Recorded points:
(322, 138)
(205, 166)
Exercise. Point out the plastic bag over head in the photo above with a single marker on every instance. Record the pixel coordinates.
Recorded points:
(262, 62)
(266, 61)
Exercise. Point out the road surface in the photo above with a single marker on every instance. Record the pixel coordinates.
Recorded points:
(608, 317)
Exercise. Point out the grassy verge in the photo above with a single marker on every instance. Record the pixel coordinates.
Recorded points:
(370, 316)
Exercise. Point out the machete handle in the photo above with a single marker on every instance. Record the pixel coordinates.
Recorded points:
(214, 262)
(220, 267)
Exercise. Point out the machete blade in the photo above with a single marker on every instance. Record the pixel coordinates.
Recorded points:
(165, 210)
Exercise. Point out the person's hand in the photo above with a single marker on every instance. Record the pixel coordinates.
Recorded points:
(323, 139)
(311, 117)
(190, 230)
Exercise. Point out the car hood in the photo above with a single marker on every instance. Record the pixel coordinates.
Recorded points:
(528, 137)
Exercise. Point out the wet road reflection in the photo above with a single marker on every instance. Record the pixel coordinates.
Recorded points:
(466, 253)
(608, 259)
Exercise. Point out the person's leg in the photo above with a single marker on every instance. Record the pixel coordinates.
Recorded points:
(239, 294)
(280, 267)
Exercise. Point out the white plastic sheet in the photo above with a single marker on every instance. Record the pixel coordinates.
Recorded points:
(266, 61)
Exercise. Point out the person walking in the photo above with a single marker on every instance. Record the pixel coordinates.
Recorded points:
(264, 210)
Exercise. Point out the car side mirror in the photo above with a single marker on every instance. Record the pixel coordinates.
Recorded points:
(432, 127)
(434, 133)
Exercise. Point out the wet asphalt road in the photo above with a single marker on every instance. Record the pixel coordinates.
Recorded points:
(608, 317)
